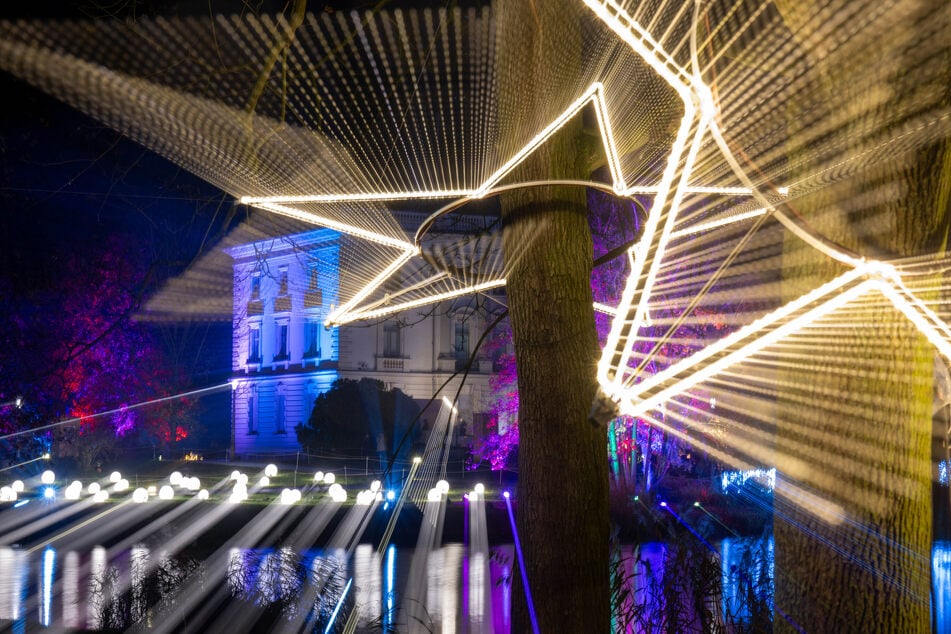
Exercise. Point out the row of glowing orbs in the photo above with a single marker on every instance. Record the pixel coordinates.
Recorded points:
(435, 494)
(9, 494)
(239, 492)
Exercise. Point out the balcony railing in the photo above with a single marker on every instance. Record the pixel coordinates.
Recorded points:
(389, 364)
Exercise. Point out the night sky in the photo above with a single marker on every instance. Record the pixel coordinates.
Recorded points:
(69, 185)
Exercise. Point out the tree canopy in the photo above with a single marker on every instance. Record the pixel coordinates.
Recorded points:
(355, 417)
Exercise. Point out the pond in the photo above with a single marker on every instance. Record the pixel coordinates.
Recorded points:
(448, 589)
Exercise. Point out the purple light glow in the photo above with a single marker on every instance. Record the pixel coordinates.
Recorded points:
(521, 563)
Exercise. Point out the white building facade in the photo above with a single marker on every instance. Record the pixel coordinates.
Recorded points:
(283, 357)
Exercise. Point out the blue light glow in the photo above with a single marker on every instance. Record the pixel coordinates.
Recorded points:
(943, 472)
(941, 583)
(49, 493)
(46, 590)
(343, 596)
(765, 478)
(389, 589)
(390, 496)
(21, 503)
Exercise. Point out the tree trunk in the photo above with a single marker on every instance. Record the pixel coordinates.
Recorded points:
(854, 430)
(562, 503)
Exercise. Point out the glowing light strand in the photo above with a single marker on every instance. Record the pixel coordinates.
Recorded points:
(631, 314)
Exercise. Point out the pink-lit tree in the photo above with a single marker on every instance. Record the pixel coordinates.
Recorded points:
(86, 359)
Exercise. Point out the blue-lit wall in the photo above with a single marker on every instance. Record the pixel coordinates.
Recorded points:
(283, 290)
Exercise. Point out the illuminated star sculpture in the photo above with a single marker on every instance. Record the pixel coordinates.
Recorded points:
(619, 379)
(215, 141)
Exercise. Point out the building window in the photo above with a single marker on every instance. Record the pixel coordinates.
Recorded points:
(282, 280)
(460, 346)
(391, 340)
(254, 344)
(313, 278)
(279, 415)
(256, 284)
(251, 416)
(281, 342)
(312, 339)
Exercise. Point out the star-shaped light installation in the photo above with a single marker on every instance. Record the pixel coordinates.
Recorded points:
(620, 381)
(129, 102)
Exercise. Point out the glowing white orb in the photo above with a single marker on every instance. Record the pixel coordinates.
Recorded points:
(479, 488)
(329, 478)
(434, 495)
(166, 492)
(192, 484)
(115, 476)
(175, 478)
(364, 498)
(17, 486)
(203, 494)
(48, 477)
(235, 475)
(242, 479)
(121, 485)
(417, 460)
(75, 484)
(93, 488)
(270, 470)
(339, 496)
(319, 476)
(334, 488)
(101, 497)
(73, 492)
(290, 496)
(140, 495)
(7, 494)
(375, 486)
(264, 481)
(443, 486)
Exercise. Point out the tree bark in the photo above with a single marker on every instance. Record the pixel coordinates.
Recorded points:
(854, 428)
(562, 502)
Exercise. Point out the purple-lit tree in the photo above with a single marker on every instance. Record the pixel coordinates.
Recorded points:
(499, 444)
(80, 354)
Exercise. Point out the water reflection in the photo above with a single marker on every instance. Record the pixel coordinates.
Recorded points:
(463, 591)
(941, 582)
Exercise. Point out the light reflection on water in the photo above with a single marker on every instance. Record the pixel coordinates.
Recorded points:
(462, 591)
